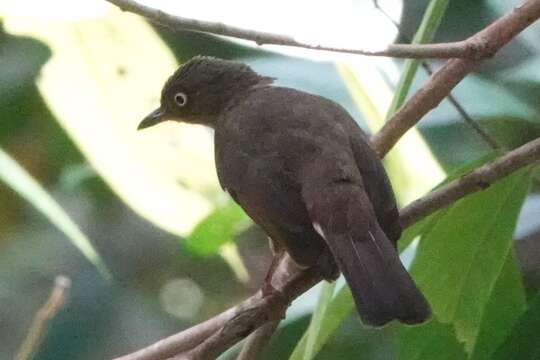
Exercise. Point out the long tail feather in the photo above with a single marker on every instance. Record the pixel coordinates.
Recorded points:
(381, 287)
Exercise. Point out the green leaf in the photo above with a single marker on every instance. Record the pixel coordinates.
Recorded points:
(27, 187)
(215, 230)
(506, 304)
(433, 341)
(336, 312)
(315, 325)
(458, 262)
(419, 228)
(523, 343)
(430, 22)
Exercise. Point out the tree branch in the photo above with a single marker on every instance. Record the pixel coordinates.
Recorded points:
(476, 48)
(257, 341)
(439, 85)
(229, 327)
(190, 338)
(238, 328)
(43, 317)
(477, 180)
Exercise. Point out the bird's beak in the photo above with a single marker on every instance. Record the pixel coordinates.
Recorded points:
(155, 117)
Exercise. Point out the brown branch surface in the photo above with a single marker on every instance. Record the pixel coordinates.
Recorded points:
(439, 85)
(42, 318)
(217, 334)
(190, 338)
(471, 49)
(257, 341)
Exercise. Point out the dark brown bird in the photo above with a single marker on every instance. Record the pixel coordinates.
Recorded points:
(304, 171)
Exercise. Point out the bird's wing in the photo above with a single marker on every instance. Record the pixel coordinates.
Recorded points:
(376, 183)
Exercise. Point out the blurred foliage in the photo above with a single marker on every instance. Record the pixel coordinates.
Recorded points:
(427, 29)
(98, 87)
(218, 228)
(461, 256)
(522, 343)
(505, 304)
(27, 187)
(27, 128)
(331, 316)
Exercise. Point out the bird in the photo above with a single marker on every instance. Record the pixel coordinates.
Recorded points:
(304, 171)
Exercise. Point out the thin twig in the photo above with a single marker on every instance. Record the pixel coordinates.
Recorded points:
(43, 317)
(439, 85)
(257, 341)
(477, 180)
(475, 125)
(490, 140)
(470, 49)
(378, 6)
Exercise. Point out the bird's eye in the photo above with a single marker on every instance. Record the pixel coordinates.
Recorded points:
(180, 99)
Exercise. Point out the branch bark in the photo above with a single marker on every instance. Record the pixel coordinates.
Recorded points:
(439, 85)
(190, 338)
(476, 48)
(257, 341)
(223, 330)
(477, 180)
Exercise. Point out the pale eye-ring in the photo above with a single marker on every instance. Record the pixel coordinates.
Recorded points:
(180, 99)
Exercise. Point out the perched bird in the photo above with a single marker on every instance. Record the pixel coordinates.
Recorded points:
(303, 170)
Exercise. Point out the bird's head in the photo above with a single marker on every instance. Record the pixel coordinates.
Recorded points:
(201, 89)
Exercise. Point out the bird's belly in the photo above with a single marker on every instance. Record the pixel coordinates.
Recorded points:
(266, 190)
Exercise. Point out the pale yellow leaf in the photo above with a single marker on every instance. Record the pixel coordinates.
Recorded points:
(104, 76)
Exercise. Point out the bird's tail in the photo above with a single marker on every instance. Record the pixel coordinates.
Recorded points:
(381, 287)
